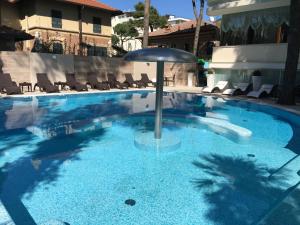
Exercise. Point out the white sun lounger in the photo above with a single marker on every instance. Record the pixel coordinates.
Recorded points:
(265, 89)
(220, 87)
(238, 88)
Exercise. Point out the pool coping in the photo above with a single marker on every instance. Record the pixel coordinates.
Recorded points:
(64, 93)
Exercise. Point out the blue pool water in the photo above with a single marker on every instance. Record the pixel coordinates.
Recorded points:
(74, 159)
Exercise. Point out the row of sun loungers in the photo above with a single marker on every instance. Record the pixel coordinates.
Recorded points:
(44, 84)
(240, 89)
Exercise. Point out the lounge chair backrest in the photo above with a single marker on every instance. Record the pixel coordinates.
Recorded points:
(267, 88)
(243, 86)
(70, 77)
(111, 78)
(145, 78)
(129, 78)
(92, 78)
(43, 80)
(222, 84)
(6, 80)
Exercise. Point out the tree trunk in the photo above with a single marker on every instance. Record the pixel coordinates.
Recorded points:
(80, 9)
(146, 24)
(287, 95)
(122, 43)
(198, 26)
(0, 13)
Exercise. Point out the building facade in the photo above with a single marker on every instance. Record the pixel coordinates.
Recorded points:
(136, 43)
(130, 45)
(254, 35)
(173, 20)
(62, 26)
(182, 36)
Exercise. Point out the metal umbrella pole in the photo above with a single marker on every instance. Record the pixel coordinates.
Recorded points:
(160, 55)
(159, 99)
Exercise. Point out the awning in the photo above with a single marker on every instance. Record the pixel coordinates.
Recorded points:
(8, 33)
(261, 19)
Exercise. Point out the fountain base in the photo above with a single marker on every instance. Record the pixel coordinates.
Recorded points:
(144, 140)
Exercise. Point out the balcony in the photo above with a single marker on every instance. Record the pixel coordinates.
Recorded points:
(222, 7)
(243, 57)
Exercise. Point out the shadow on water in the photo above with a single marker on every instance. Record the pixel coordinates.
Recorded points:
(41, 166)
(64, 135)
(63, 127)
(238, 191)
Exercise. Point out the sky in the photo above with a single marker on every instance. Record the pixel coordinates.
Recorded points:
(179, 8)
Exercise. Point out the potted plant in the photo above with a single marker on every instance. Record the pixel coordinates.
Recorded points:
(256, 80)
(210, 81)
(190, 78)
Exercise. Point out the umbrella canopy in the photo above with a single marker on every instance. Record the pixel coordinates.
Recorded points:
(161, 54)
(9, 33)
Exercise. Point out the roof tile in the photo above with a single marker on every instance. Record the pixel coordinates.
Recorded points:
(175, 28)
(92, 3)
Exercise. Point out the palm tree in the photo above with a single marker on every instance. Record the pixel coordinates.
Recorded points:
(146, 23)
(287, 96)
(199, 18)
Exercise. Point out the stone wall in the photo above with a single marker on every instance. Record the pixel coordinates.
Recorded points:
(101, 66)
(180, 71)
(17, 64)
(23, 66)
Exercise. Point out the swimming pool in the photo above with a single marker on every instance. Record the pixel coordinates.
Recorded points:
(74, 159)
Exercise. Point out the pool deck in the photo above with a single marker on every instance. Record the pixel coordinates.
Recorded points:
(263, 101)
(184, 89)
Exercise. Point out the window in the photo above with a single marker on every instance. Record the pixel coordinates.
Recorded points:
(250, 35)
(96, 25)
(57, 48)
(173, 45)
(56, 18)
(284, 33)
(129, 47)
(97, 51)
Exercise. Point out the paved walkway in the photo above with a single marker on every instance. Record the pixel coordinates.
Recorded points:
(268, 101)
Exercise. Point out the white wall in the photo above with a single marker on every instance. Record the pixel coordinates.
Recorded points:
(237, 6)
(257, 56)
